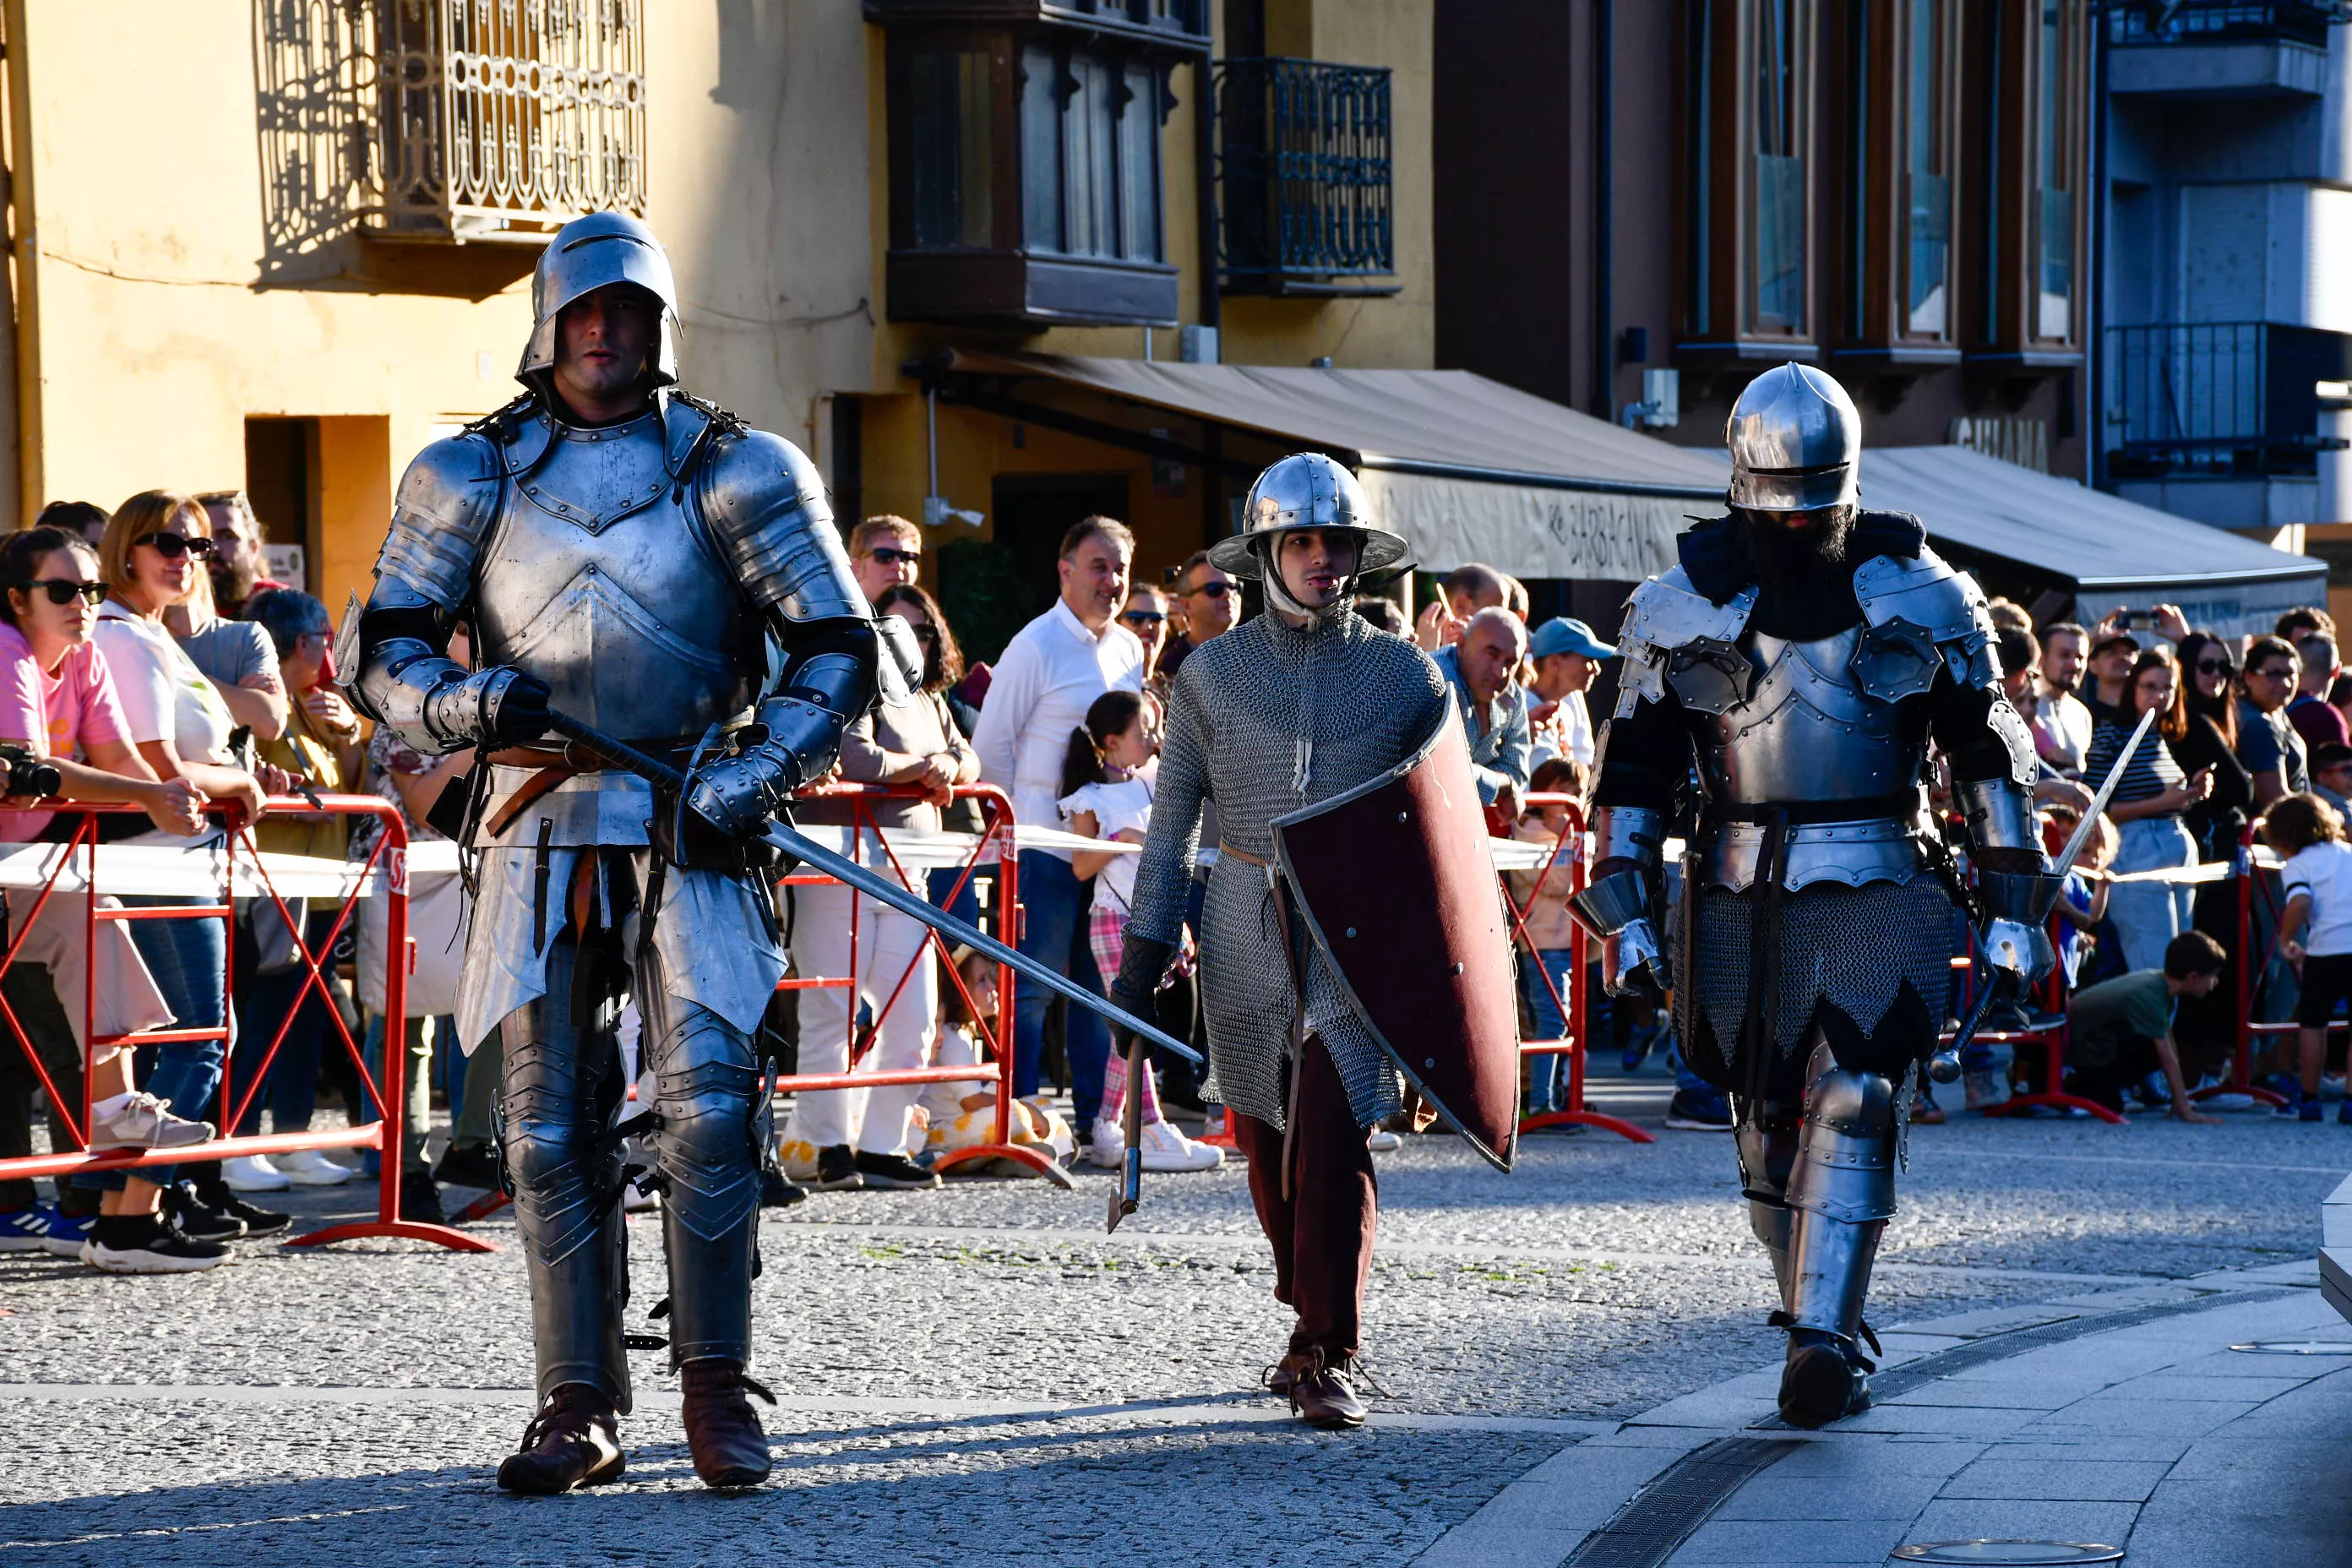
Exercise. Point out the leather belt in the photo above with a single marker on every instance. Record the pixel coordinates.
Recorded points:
(1808, 812)
(553, 765)
(1243, 855)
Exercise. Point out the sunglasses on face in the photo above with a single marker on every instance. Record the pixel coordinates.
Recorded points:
(891, 556)
(1215, 590)
(2275, 672)
(62, 591)
(2213, 667)
(1144, 618)
(172, 546)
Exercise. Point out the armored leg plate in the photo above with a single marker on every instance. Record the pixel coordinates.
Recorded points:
(1842, 1191)
(1766, 1135)
(560, 1086)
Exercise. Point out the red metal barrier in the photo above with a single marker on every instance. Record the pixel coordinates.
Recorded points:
(1574, 1007)
(383, 1135)
(2241, 1081)
(996, 833)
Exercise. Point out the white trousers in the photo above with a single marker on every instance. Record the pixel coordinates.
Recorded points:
(125, 998)
(889, 944)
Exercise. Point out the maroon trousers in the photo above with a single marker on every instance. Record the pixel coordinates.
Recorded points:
(1322, 1233)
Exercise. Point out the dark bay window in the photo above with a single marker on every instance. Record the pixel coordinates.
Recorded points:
(1025, 181)
(2057, 108)
(1747, 163)
(1927, 170)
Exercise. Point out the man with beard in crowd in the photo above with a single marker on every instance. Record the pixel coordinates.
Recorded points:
(1801, 656)
(239, 566)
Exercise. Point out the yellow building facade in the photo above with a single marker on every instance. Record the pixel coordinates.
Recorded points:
(223, 272)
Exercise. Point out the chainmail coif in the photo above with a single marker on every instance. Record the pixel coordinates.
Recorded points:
(1265, 719)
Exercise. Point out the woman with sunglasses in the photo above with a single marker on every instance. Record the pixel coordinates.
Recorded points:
(914, 743)
(1146, 615)
(177, 722)
(236, 656)
(58, 701)
(2210, 743)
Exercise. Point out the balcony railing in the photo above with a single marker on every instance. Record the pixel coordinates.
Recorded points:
(1302, 177)
(2225, 21)
(506, 119)
(2220, 398)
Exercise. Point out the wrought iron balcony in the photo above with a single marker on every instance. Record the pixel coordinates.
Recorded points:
(2219, 399)
(504, 119)
(1304, 203)
(2225, 21)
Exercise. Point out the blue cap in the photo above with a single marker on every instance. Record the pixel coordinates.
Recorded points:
(1562, 635)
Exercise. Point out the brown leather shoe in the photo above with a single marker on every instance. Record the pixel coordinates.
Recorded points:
(1324, 1392)
(722, 1430)
(574, 1441)
(1282, 1375)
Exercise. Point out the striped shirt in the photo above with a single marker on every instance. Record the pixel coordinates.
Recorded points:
(2152, 769)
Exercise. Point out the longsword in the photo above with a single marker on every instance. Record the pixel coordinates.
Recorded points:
(880, 889)
(1945, 1067)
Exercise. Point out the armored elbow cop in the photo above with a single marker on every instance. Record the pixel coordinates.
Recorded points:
(428, 700)
(2013, 878)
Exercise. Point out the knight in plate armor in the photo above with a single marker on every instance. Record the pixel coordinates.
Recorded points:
(1779, 691)
(1301, 704)
(642, 560)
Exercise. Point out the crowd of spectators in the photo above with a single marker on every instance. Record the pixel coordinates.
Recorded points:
(149, 656)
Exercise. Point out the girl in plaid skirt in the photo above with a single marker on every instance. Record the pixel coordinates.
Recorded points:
(1106, 794)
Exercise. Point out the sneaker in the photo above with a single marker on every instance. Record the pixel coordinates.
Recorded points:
(143, 1244)
(67, 1233)
(2291, 1106)
(1986, 1089)
(1165, 1149)
(836, 1170)
(252, 1174)
(2310, 1111)
(2153, 1092)
(312, 1168)
(27, 1230)
(1383, 1142)
(193, 1218)
(2230, 1100)
(144, 1121)
(1108, 1147)
(895, 1172)
(257, 1220)
(469, 1165)
(1698, 1109)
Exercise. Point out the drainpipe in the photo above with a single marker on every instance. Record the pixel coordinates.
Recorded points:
(1604, 326)
(31, 484)
(2093, 419)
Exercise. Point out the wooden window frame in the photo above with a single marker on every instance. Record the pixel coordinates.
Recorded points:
(1876, 328)
(2004, 157)
(1717, 178)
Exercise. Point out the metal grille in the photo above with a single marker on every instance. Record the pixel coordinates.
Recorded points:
(1303, 173)
(506, 119)
(1646, 1532)
(2218, 397)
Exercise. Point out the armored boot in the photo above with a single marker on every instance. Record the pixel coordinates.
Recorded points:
(574, 1441)
(1841, 1195)
(722, 1430)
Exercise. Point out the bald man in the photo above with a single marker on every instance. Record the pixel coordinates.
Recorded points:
(1479, 670)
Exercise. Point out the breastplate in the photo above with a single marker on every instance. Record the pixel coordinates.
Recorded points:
(597, 579)
(1806, 730)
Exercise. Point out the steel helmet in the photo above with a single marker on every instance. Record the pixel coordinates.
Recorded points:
(1796, 443)
(585, 255)
(1306, 489)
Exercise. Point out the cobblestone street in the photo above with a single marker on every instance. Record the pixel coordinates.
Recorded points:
(981, 1371)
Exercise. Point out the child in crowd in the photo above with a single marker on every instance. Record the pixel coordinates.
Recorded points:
(1549, 949)
(1106, 794)
(2315, 933)
(2120, 1030)
(960, 1115)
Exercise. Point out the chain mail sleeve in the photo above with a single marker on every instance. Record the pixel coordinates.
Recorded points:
(1164, 876)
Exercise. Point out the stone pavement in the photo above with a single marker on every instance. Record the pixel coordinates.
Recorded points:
(981, 1371)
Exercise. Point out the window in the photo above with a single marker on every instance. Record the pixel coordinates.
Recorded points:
(1926, 173)
(2054, 139)
(1776, 239)
(1026, 178)
(954, 171)
(1747, 169)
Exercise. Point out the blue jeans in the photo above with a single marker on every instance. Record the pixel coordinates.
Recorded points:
(188, 959)
(1550, 1023)
(2149, 915)
(1054, 905)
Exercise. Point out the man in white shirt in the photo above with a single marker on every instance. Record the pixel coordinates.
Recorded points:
(2061, 730)
(1567, 657)
(1051, 673)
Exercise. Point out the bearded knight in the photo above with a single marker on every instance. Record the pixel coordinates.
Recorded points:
(1780, 690)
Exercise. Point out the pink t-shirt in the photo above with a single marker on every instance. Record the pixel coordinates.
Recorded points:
(61, 714)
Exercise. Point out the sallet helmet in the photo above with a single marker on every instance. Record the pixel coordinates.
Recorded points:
(1796, 443)
(587, 254)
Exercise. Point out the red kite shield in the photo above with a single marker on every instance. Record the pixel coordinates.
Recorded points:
(1398, 889)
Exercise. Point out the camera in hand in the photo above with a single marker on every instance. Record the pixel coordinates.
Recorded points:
(30, 777)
